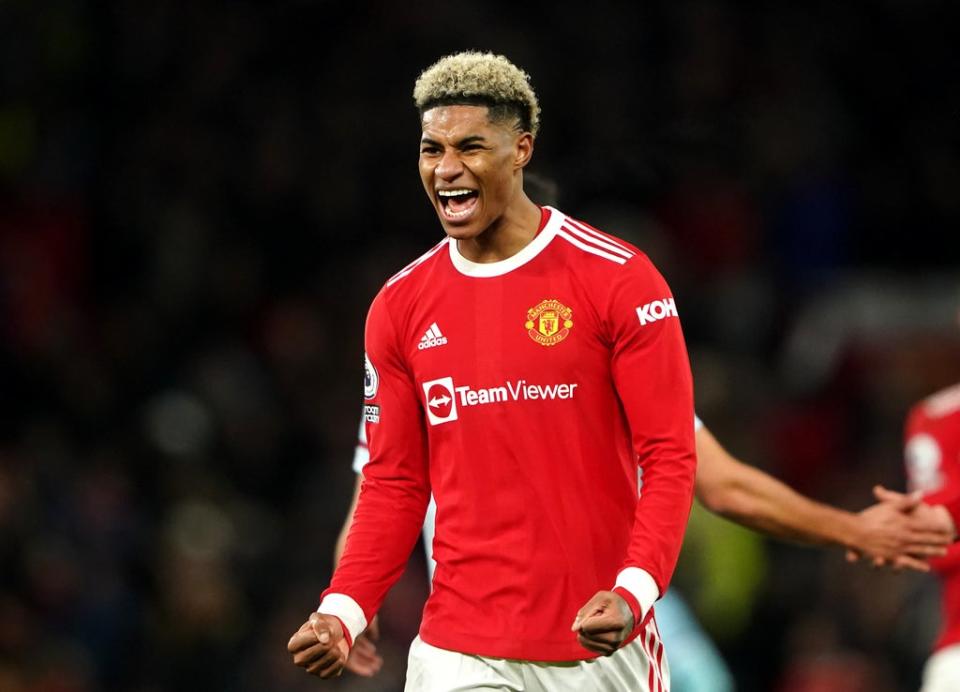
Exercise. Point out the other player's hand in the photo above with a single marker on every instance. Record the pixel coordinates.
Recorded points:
(927, 517)
(364, 659)
(901, 532)
(603, 623)
(319, 646)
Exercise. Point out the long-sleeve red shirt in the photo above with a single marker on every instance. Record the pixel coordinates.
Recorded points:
(523, 393)
(932, 455)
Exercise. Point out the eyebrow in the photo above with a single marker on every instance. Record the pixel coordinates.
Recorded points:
(470, 139)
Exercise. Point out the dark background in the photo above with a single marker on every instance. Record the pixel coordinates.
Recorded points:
(199, 200)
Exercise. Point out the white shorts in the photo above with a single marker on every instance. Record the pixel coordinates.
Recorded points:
(942, 671)
(640, 666)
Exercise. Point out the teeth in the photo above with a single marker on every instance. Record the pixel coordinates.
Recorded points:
(453, 193)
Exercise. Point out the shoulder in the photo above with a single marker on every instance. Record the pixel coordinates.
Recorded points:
(593, 247)
(408, 281)
(389, 313)
(414, 272)
(943, 404)
(607, 262)
(605, 254)
(614, 272)
(615, 262)
(937, 415)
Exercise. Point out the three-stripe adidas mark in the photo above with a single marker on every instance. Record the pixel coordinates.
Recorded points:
(432, 338)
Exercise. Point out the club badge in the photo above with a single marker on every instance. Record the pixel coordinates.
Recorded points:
(549, 322)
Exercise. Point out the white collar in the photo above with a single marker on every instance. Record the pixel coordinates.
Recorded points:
(527, 253)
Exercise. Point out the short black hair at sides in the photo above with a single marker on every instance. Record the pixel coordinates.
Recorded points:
(512, 113)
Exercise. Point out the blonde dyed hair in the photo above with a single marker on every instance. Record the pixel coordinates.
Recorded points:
(475, 78)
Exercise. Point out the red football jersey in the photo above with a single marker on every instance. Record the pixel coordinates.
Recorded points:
(932, 454)
(523, 393)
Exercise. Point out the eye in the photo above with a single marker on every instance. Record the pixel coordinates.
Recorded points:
(429, 150)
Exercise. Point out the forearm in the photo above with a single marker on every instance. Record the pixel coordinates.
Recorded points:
(385, 527)
(668, 459)
(757, 500)
(760, 502)
(396, 487)
(340, 544)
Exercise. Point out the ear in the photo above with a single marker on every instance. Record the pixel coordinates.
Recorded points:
(523, 150)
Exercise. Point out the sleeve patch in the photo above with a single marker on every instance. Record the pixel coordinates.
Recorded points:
(657, 310)
(923, 460)
(371, 380)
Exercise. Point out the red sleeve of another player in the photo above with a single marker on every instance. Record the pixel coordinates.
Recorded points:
(395, 491)
(652, 375)
(933, 469)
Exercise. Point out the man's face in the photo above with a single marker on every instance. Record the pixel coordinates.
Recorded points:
(469, 167)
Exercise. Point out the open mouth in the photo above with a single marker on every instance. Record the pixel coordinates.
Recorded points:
(458, 204)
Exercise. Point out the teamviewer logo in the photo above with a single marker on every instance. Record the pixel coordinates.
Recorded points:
(440, 402)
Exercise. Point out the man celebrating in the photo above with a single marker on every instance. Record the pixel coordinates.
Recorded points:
(520, 370)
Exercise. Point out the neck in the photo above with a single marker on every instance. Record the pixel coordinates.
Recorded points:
(507, 236)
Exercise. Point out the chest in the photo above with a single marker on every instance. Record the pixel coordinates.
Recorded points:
(530, 336)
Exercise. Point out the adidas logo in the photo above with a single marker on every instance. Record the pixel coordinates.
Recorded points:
(432, 338)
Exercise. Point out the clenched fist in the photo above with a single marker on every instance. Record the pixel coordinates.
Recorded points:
(319, 646)
(603, 623)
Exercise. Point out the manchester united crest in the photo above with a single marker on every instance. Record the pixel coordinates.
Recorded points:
(549, 323)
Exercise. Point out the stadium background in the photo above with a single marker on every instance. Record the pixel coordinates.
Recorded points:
(198, 201)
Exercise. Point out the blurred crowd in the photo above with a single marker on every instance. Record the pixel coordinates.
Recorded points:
(199, 200)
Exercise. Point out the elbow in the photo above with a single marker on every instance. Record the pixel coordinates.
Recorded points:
(725, 499)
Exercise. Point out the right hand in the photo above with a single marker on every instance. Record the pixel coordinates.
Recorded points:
(364, 659)
(319, 646)
(930, 518)
(604, 623)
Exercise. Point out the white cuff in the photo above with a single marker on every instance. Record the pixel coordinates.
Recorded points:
(348, 610)
(639, 582)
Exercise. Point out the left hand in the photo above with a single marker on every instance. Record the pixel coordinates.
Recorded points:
(364, 659)
(603, 623)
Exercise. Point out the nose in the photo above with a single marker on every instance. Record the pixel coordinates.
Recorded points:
(450, 166)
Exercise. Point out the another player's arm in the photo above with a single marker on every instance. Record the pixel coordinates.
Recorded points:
(651, 373)
(347, 522)
(887, 531)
